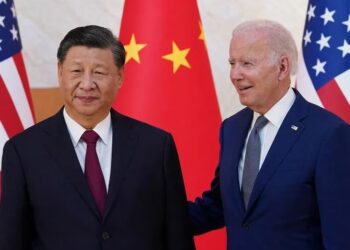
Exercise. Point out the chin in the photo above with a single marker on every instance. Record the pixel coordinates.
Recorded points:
(244, 101)
(86, 111)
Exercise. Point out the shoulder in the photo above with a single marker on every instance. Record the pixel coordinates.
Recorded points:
(125, 122)
(36, 131)
(319, 124)
(324, 118)
(314, 114)
(334, 130)
(242, 115)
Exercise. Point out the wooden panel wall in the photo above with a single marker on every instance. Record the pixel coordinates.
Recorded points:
(46, 102)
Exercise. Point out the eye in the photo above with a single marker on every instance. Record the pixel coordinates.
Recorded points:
(247, 64)
(75, 71)
(99, 73)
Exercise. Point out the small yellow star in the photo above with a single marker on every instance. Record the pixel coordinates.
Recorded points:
(133, 49)
(178, 57)
(201, 35)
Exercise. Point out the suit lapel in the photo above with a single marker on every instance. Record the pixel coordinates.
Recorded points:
(290, 130)
(60, 146)
(240, 130)
(124, 144)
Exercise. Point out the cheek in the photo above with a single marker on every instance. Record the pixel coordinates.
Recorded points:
(69, 83)
(231, 74)
(110, 92)
(262, 81)
(69, 91)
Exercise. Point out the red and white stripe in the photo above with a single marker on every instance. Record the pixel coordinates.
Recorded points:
(3, 139)
(15, 103)
(343, 81)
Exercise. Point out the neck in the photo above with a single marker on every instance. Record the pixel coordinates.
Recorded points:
(273, 100)
(87, 121)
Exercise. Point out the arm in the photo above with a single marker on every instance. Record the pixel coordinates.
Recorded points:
(333, 188)
(178, 236)
(206, 212)
(15, 216)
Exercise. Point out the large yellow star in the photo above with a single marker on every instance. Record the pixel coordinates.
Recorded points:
(178, 57)
(133, 49)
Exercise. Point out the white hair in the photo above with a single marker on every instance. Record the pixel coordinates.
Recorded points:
(278, 37)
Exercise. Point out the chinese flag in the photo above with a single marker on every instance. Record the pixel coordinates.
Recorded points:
(168, 83)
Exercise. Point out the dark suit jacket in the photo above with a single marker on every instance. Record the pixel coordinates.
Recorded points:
(300, 200)
(46, 203)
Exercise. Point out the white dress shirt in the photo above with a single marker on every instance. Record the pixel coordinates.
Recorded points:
(103, 145)
(267, 134)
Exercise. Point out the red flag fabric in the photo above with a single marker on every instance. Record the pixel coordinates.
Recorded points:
(15, 102)
(168, 83)
(324, 67)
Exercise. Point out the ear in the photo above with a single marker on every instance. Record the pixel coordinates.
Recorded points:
(59, 73)
(284, 68)
(120, 76)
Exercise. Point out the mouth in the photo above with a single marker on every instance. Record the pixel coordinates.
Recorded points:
(86, 99)
(243, 89)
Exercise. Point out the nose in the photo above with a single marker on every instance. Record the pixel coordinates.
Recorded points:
(235, 73)
(87, 82)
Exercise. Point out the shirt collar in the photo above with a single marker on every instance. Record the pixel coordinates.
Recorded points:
(279, 111)
(76, 130)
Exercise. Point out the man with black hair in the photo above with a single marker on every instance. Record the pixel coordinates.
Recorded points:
(89, 178)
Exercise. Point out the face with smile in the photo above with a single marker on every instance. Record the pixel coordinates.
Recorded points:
(89, 81)
(259, 80)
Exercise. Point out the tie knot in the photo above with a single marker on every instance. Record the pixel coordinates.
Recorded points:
(90, 136)
(260, 122)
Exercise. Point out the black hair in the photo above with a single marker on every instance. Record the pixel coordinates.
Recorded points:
(92, 36)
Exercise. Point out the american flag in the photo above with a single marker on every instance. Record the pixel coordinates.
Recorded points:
(324, 68)
(15, 102)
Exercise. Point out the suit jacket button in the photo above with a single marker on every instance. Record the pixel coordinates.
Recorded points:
(105, 235)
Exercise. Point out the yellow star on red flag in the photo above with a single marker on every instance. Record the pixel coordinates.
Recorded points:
(201, 35)
(173, 87)
(132, 49)
(178, 57)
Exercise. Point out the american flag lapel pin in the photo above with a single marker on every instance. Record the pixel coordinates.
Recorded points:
(295, 128)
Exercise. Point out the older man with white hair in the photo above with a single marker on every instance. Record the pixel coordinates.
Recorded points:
(284, 163)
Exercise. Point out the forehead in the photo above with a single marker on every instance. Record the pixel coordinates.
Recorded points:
(249, 43)
(83, 54)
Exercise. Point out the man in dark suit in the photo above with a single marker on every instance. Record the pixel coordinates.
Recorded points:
(89, 178)
(283, 177)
